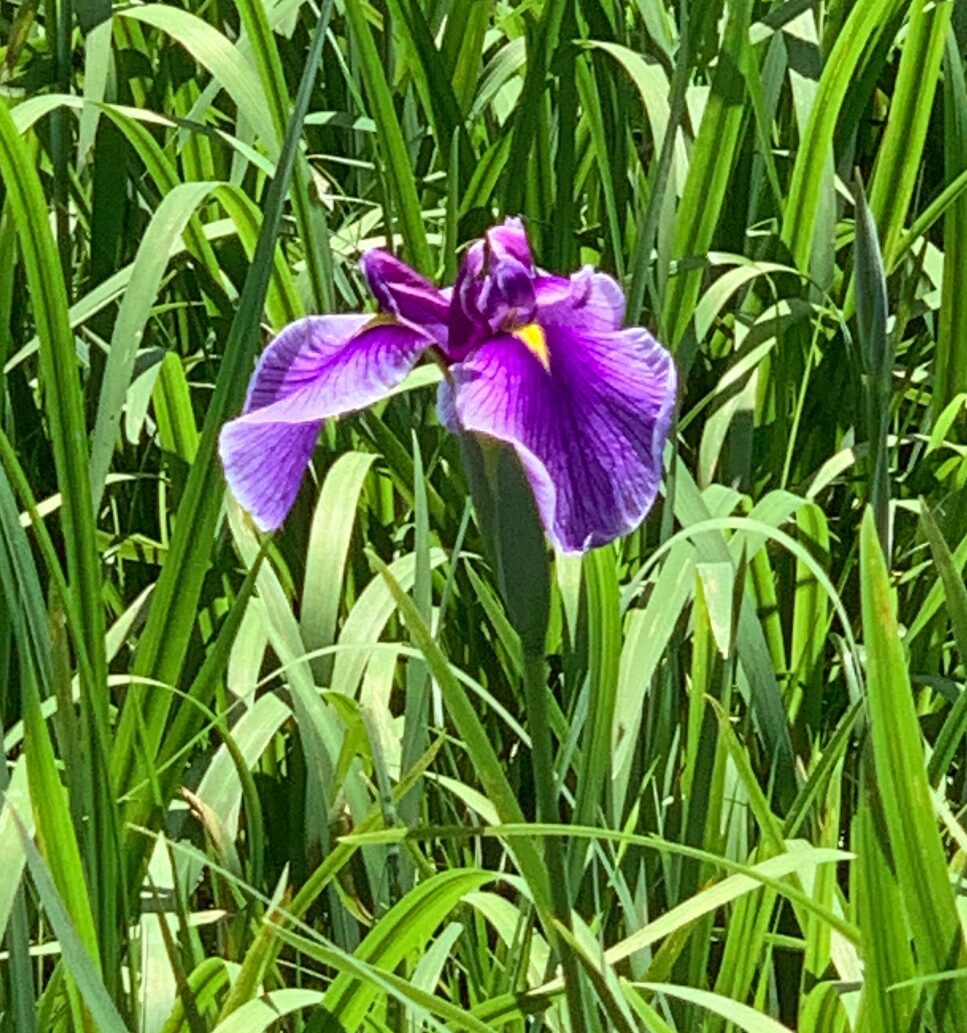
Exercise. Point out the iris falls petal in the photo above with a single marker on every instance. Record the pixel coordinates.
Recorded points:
(264, 464)
(318, 367)
(589, 426)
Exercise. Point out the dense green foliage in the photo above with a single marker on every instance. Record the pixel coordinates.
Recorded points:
(286, 784)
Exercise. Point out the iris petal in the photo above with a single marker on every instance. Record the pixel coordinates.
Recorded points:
(506, 294)
(510, 241)
(466, 326)
(494, 290)
(590, 435)
(405, 293)
(507, 291)
(588, 299)
(264, 465)
(316, 368)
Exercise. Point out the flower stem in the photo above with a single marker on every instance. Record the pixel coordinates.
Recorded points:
(545, 785)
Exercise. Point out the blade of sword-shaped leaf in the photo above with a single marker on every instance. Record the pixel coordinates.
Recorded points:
(57, 588)
(32, 631)
(451, 222)
(953, 584)
(372, 982)
(903, 790)
(936, 596)
(652, 1022)
(561, 242)
(876, 354)
(810, 621)
(97, 64)
(655, 216)
(336, 859)
(64, 402)
(175, 419)
(838, 745)
(955, 593)
(463, 44)
(585, 948)
(416, 709)
(23, 996)
(214, 51)
(743, 879)
(166, 226)
(709, 171)
(161, 651)
(390, 137)
(23, 595)
(193, 716)
(243, 223)
(603, 604)
(474, 737)
(541, 45)
(310, 220)
(900, 154)
(648, 632)
(741, 1015)
(55, 828)
(282, 306)
(157, 164)
(371, 612)
(408, 926)
(63, 395)
(59, 28)
(804, 201)
(14, 798)
(328, 554)
(499, 70)
(887, 958)
(950, 376)
(594, 117)
(765, 696)
(10, 253)
(802, 47)
(264, 1012)
(434, 86)
(78, 960)
(954, 190)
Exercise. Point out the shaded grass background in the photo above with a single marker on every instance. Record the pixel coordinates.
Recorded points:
(285, 784)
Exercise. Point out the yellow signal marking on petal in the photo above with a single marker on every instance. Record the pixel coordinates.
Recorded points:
(534, 340)
(380, 319)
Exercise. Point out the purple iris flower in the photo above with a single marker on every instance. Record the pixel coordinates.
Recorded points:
(539, 362)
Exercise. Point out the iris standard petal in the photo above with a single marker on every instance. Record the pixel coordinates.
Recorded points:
(506, 294)
(507, 289)
(403, 292)
(589, 427)
(466, 327)
(494, 289)
(588, 300)
(316, 368)
(510, 241)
